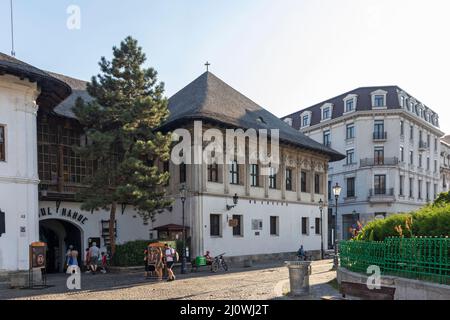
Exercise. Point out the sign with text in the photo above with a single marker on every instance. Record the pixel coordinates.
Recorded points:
(69, 214)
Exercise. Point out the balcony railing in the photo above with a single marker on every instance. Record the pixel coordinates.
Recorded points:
(381, 192)
(327, 144)
(380, 195)
(423, 145)
(380, 161)
(379, 135)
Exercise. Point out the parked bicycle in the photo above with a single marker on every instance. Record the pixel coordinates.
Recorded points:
(219, 263)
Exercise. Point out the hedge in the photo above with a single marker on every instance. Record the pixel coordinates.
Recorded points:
(131, 254)
(432, 220)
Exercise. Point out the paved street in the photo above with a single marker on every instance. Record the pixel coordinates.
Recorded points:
(259, 282)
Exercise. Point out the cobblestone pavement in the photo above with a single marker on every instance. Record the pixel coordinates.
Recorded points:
(259, 282)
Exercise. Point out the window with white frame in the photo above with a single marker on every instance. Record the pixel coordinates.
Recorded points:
(350, 131)
(350, 103)
(379, 99)
(327, 110)
(350, 156)
(306, 119)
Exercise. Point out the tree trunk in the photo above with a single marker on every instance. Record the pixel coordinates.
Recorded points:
(112, 234)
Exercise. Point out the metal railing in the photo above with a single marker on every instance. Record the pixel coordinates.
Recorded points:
(380, 161)
(379, 135)
(423, 258)
(381, 192)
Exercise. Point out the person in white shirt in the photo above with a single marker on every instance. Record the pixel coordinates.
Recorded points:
(169, 258)
(94, 253)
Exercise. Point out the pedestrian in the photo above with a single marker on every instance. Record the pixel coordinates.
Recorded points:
(169, 257)
(104, 263)
(152, 259)
(68, 256)
(87, 261)
(301, 254)
(72, 263)
(94, 253)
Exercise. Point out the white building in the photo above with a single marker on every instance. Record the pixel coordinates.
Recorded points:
(392, 144)
(40, 175)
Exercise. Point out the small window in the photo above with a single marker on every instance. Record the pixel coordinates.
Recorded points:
(237, 229)
(254, 175)
(213, 173)
(274, 229)
(350, 132)
(402, 154)
(234, 173)
(402, 127)
(411, 157)
(215, 225)
(305, 226)
(326, 113)
(350, 156)
(378, 101)
(303, 182)
(317, 183)
(2, 144)
(305, 121)
(327, 138)
(318, 227)
(272, 179)
(289, 179)
(350, 187)
(402, 185)
(349, 105)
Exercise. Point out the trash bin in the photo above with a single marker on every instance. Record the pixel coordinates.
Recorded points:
(299, 272)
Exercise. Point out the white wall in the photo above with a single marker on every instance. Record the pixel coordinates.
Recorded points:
(18, 175)
(290, 236)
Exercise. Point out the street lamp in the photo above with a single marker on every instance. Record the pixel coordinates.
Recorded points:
(235, 202)
(321, 225)
(337, 192)
(183, 192)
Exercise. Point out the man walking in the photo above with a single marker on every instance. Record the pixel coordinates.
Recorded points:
(94, 253)
(169, 257)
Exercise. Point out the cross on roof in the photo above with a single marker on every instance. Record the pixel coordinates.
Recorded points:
(207, 64)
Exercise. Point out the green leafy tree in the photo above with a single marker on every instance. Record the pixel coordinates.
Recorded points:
(123, 141)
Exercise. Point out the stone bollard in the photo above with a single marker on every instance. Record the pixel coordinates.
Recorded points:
(299, 272)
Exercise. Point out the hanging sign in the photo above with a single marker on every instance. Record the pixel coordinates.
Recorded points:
(38, 255)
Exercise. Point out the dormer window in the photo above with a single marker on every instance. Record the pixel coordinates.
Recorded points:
(288, 121)
(379, 99)
(350, 103)
(327, 111)
(402, 101)
(305, 120)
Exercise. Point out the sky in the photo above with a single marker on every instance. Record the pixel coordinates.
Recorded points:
(285, 55)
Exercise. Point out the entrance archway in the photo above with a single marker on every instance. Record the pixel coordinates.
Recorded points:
(59, 235)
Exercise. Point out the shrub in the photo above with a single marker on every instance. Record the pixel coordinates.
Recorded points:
(431, 220)
(130, 253)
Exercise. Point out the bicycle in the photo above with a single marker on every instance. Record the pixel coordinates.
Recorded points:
(219, 263)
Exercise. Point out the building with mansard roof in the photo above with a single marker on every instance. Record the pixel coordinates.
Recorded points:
(393, 151)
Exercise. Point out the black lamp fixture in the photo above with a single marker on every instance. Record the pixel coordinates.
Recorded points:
(321, 205)
(183, 196)
(337, 192)
(235, 202)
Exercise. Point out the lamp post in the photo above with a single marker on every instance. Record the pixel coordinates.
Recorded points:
(337, 192)
(235, 202)
(321, 225)
(183, 258)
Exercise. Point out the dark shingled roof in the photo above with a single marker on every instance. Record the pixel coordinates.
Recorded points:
(209, 98)
(364, 103)
(78, 91)
(53, 90)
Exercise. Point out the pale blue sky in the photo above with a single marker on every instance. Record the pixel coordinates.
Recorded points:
(284, 54)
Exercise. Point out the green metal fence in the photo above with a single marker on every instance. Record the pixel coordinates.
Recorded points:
(420, 258)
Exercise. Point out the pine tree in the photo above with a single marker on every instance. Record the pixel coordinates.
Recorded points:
(123, 141)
